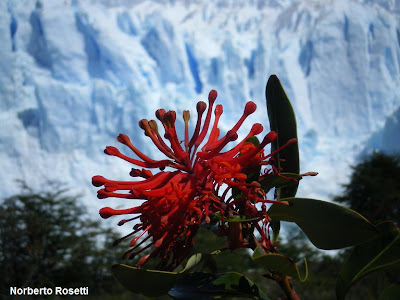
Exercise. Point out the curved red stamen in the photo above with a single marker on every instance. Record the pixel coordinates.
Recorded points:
(98, 181)
(103, 193)
(107, 212)
(186, 117)
(140, 173)
(211, 99)
(255, 129)
(110, 150)
(218, 146)
(267, 139)
(215, 131)
(159, 241)
(124, 139)
(289, 142)
(151, 130)
(133, 241)
(160, 114)
(170, 135)
(200, 107)
(122, 222)
(248, 110)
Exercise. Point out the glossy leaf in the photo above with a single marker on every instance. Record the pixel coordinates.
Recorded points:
(214, 286)
(282, 120)
(280, 263)
(392, 292)
(381, 252)
(327, 225)
(150, 283)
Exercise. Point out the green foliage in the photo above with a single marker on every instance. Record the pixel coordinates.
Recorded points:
(280, 263)
(282, 120)
(392, 292)
(46, 239)
(322, 268)
(379, 253)
(279, 181)
(327, 225)
(187, 285)
(215, 286)
(143, 281)
(374, 189)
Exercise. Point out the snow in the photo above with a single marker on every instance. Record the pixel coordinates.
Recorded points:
(74, 74)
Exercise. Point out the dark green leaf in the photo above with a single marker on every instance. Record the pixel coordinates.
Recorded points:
(280, 263)
(392, 292)
(276, 227)
(184, 285)
(327, 225)
(214, 286)
(254, 140)
(150, 283)
(237, 218)
(382, 251)
(282, 120)
(278, 181)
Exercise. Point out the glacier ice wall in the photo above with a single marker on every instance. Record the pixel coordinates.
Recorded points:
(74, 74)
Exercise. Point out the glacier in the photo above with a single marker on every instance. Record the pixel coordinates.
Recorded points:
(75, 74)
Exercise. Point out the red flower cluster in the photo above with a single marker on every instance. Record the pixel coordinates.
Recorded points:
(177, 201)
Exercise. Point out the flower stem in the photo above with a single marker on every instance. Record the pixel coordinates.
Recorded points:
(287, 288)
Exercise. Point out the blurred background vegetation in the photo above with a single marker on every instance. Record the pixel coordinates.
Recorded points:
(46, 239)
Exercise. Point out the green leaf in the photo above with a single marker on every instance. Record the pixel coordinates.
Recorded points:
(194, 260)
(202, 260)
(276, 227)
(279, 181)
(186, 285)
(282, 120)
(150, 283)
(392, 292)
(234, 219)
(254, 140)
(381, 252)
(205, 286)
(280, 263)
(327, 225)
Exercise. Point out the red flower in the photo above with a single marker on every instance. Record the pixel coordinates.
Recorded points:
(177, 202)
